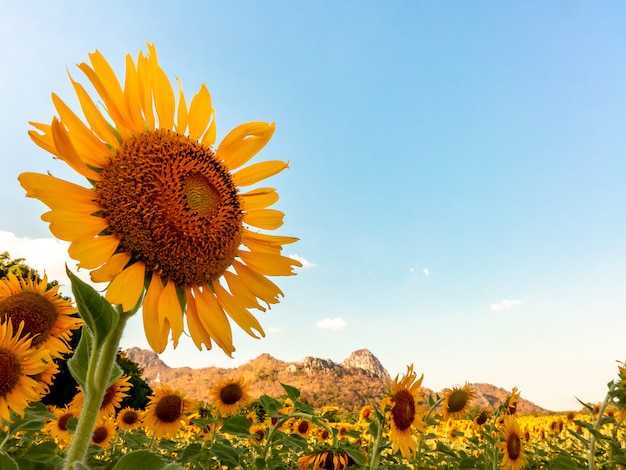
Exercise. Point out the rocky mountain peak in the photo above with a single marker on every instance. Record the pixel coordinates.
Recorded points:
(363, 359)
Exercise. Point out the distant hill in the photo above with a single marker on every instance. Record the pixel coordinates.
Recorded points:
(357, 381)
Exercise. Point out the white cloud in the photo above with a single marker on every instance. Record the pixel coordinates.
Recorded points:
(335, 324)
(274, 330)
(503, 305)
(426, 272)
(46, 255)
(305, 263)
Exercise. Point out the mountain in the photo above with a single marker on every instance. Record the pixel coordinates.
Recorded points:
(357, 381)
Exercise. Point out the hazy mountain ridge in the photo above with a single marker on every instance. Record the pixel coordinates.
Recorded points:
(357, 381)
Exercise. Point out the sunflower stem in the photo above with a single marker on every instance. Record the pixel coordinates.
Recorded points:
(376, 446)
(591, 457)
(102, 358)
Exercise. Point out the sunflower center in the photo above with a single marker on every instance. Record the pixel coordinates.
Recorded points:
(404, 410)
(481, 418)
(303, 427)
(173, 205)
(457, 401)
(62, 421)
(37, 313)
(231, 394)
(100, 434)
(109, 394)
(130, 417)
(513, 447)
(10, 371)
(169, 408)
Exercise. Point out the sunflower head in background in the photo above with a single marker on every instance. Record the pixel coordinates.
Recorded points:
(163, 216)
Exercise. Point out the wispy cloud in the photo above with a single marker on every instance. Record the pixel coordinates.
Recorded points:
(335, 324)
(305, 263)
(503, 305)
(273, 330)
(414, 269)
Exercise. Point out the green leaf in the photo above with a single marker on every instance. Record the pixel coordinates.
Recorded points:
(7, 463)
(43, 452)
(237, 425)
(144, 460)
(270, 405)
(79, 362)
(292, 392)
(34, 419)
(359, 457)
(100, 317)
(227, 455)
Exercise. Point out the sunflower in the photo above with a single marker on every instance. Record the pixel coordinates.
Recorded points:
(457, 400)
(512, 402)
(162, 213)
(128, 419)
(513, 457)
(20, 368)
(303, 428)
(58, 426)
(325, 459)
(166, 412)
(103, 433)
(404, 413)
(229, 395)
(48, 318)
(366, 414)
(112, 399)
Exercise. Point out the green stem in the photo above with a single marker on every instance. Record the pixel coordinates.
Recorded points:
(101, 361)
(591, 458)
(376, 445)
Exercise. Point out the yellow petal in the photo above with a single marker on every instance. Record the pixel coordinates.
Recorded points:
(269, 264)
(111, 268)
(262, 287)
(241, 292)
(156, 332)
(93, 252)
(144, 73)
(243, 143)
(170, 310)
(164, 100)
(182, 115)
(265, 243)
(96, 120)
(201, 114)
(59, 194)
(214, 319)
(44, 140)
(259, 198)
(70, 227)
(127, 287)
(258, 171)
(238, 312)
(132, 97)
(198, 333)
(67, 152)
(268, 219)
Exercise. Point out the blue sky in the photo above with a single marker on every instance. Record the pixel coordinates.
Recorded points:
(456, 171)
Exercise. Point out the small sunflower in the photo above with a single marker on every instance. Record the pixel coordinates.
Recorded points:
(259, 433)
(48, 318)
(366, 414)
(166, 412)
(512, 401)
(112, 399)
(20, 368)
(103, 433)
(404, 413)
(229, 395)
(457, 400)
(58, 426)
(128, 419)
(513, 457)
(162, 212)
(303, 428)
(325, 459)
(481, 418)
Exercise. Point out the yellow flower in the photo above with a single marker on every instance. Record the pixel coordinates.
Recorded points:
(112, 400)
(457, 400)
(513, 457)
(128, 419)
(103, 433)
(404, 412)
(512, 402)
(162, 212)
(325, 459)
(229, 395)
(166, 412)
(48, 318)
(57, 427)
(20, 366)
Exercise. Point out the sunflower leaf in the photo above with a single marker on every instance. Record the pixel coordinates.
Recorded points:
(144, 460)
(237, 425)
(98, 314)
(7, 462)
(79, 362)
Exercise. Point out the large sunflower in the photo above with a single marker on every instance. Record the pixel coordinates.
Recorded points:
(513, 457)
(166, 412)
(163, 212)
(20, 366)
(48, 318)
(404, 413)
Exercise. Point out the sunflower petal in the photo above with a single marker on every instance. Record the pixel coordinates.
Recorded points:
(127, 287)
(59, 194)
(170, 311)
(244, 142)
(201, 114)
(269, 264)
(259, 171)
(67, 152)
(198, 333)
(156, 331)
(241, 292)
(132, 97)
(259, 198)
(261, 286)
(182, 115)
(111, 268)
(93, 252)
(70, 226)
(238, 312)
(214, 319)
(164, 100)
(268, 219)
